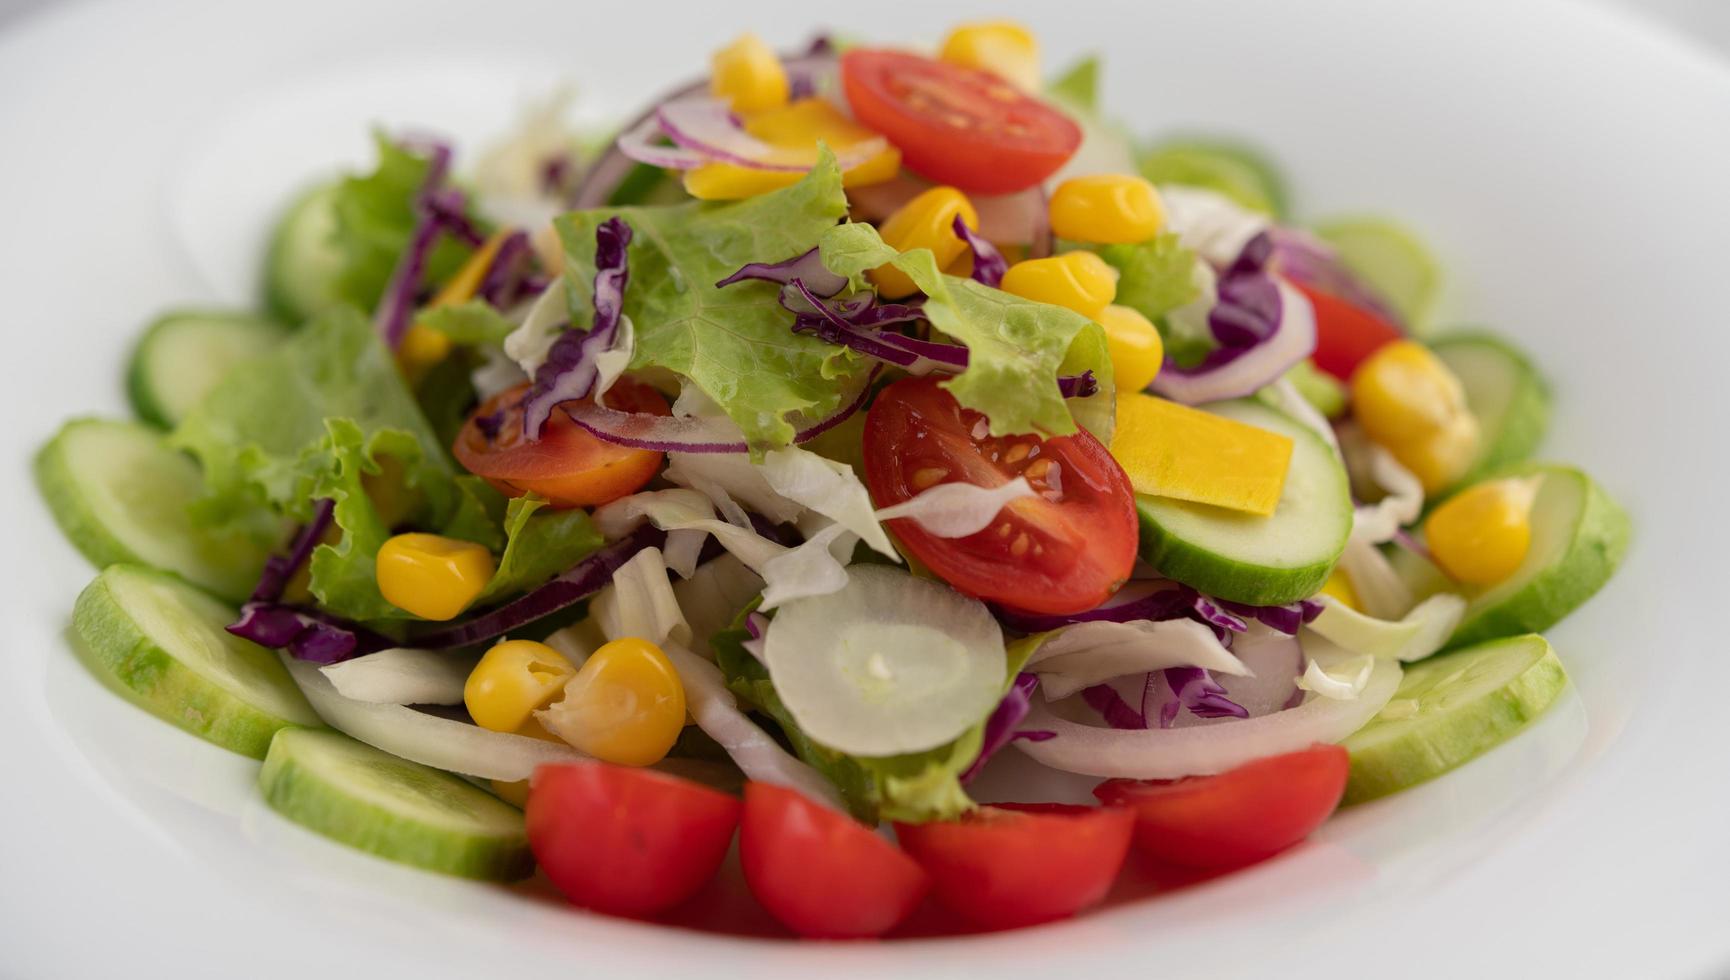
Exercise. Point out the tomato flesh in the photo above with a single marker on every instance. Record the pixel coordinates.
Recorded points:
(1021, 864)
(627, 841)
(566, 465)
(956, 125)
(1346, 333)
(1237, 817)
(821, 873)
(1064, 550)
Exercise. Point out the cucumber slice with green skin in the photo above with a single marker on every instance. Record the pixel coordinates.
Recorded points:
(399, 810)
(1505, 392)
(1232, 169)
(1451, 709)
(162, 645)
(1391, 260)
(1264, 561)
(302, 266)
(183, 355)
(121, 495)
(1578, 538)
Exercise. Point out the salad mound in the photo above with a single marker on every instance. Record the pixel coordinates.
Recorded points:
(846, 425)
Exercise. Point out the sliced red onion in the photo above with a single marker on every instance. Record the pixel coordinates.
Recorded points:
(1000, 727)
(701, 434)
(641, 143)
(581, 581)
(1238, 372)
(1304, 258)
(988, 263)
(572, 367)
(708, 126)
(807, 268)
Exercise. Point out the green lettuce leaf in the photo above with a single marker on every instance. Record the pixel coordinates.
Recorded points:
(735, 344)
(542, 543)
(1016, 347)
(1154, 277)
(1078, 86)
(375, 218)
(472, 324)
(913, 788)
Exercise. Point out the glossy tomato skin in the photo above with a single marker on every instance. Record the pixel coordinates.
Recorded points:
(1237, 817)
(627, 841)
(1014, 865)
(1346, 333)
(1064, 550)
(566, 465)
(819, 872)
(956, 125)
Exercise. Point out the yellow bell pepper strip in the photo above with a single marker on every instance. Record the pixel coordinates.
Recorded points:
(1172, 450)
(421, 347)
(796, 127)
(748, 76)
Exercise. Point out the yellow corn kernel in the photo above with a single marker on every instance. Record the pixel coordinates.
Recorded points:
(515, 793)
(431, 576)
(927, 221)
(1081, 281)
(1339, 585)
(795, 128)
(1407, 400)
(1002, 47)
(1481, 534)
(1137, 350)
(1107, 208)
(421, 348)
(1172, 450)
(626, 706)
(512, 681)
(748, 75)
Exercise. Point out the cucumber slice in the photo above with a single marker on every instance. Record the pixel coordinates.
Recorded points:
(1390, 260)
(1578, 538)
(1230, 168)
(1504, 391)
(399, 810)
(1264, 561)
(162, 645)
(184, 354)
(121, 495)
(302, 266)
(1451, 709)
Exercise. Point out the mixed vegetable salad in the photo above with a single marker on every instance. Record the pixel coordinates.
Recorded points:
(769, 468)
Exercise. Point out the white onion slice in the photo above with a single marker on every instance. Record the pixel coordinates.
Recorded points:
(1172, 753)
(1213, 225)
(402, 675)
(760, 757)
(1084, 654)
(1418, 634)
(443, 743)
(708, 126)
(1255, 368)
(955, 510)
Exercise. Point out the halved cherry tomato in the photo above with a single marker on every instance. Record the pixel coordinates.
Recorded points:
(1063, 550)
(956, 125)
(1346, 333)
(1018, 864)
(627, 841)
(821, 873)
(566, 465)
(1237, 817)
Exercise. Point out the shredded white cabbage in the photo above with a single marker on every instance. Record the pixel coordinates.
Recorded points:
(712, 597)
(729, 479)
(612, 362)
(1214, 225)
(578, 641)
(811, 569)
(683, 549)
(1081, 655)
(528, 344)
(1283, 395)
(496, 373)
(402, 675)
(828, 487)
(1379, 588)
(1401, 504)
(639, 602)
(1421, 632)
(679, 510)
(955, 510)
(1336, 677)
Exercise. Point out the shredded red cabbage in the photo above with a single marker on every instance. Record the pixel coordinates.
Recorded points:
(569, 372)
(807, 268)
(988, 263)
(1248, 310)
(1195, 689)
(432, 209)
(503, 285)
(305, 634)
(1000, 727)
(1111, 706)
(583, 580)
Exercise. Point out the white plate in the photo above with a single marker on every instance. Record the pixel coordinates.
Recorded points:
(1570, 166)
